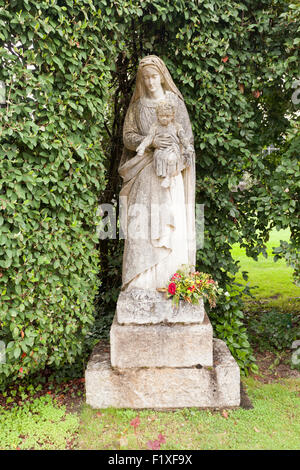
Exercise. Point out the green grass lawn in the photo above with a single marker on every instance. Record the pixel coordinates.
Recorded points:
(273, 423)
(274, 279)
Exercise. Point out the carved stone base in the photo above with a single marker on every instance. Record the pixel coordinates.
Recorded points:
(141, 306)
(162, 345)
(166, 387)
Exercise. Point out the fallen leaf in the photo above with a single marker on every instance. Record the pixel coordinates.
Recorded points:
(135, 422)
(153, 445)
(225, 414)
(99, 414)
(256, 430)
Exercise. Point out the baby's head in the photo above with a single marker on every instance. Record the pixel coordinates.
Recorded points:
(165, 112)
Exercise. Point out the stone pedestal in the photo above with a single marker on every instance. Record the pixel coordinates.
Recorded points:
(158, 362)
(161, 345)
(164, 387)
(140, 306)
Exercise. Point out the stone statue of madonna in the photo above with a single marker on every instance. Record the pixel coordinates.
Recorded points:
(158, 219)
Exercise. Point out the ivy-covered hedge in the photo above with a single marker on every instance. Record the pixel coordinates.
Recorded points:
(69, 68)
(51, 175)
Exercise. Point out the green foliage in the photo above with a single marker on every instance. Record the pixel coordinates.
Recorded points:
(274, 330)
(69, 69)
(287, 173)
(111, 252)
(37, 425)
(52, 171)
(229, 324)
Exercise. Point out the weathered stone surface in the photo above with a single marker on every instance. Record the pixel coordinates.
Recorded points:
(149, 306)
(157, 217)
(162, 345)
(163, 388)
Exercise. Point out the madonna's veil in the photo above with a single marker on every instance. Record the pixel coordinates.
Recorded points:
(156, 62)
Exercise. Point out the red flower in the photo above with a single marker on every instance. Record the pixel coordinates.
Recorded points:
(24, 355)
(191, 289)
(175, 276)
(172, 288)
(225, 59)
(210, 281)
(21, 370)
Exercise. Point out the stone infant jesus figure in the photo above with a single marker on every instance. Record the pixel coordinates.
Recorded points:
(168, 160)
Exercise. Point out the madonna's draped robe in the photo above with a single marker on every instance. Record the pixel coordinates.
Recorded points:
(158, 222)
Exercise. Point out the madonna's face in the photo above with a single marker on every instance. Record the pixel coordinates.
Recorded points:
(152, 79)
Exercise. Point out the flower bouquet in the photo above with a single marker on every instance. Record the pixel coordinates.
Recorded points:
(191, 287)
